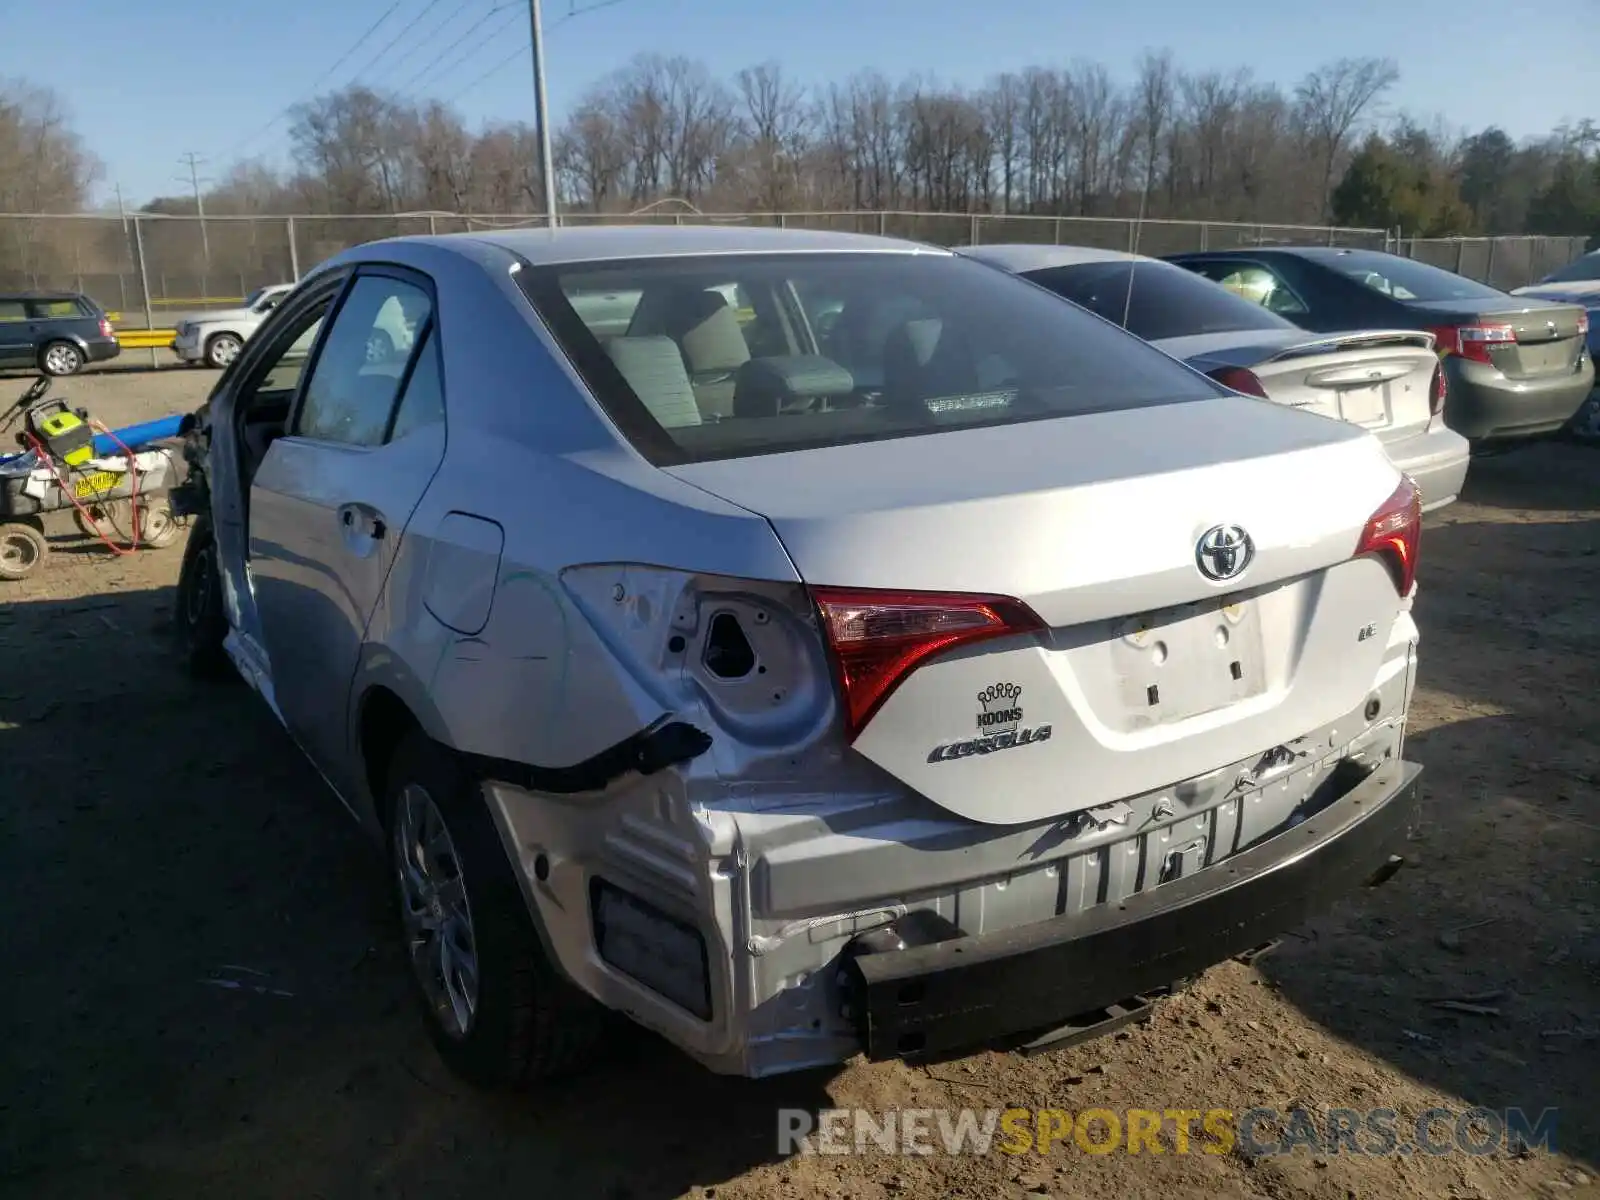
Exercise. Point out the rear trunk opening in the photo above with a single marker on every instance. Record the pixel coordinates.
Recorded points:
(1188, 584)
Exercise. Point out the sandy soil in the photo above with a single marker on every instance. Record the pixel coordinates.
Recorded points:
(154, 836)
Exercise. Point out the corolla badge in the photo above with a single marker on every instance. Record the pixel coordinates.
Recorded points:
(1000, 727)
(1224, 551)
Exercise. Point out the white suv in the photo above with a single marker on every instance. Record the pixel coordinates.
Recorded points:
(214, 338)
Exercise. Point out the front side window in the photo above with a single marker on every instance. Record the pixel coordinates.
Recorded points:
(1254, 284)
(1158, 299)
(278, 373)
(362, 363)
(853, 347)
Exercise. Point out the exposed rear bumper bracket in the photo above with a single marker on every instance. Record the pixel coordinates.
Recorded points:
(964, 991)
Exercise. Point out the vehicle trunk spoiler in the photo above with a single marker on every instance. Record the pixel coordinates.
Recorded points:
(1367, 339)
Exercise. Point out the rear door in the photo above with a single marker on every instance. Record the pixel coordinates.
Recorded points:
(332, 499)
(60, 317)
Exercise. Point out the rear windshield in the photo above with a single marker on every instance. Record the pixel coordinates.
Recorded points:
(1584, 270)
(1160, 300)
(725, 356)
(1405, 279)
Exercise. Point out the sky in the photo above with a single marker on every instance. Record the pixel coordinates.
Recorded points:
(147, 83)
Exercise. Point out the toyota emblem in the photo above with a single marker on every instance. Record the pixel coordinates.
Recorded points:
(1224, 552)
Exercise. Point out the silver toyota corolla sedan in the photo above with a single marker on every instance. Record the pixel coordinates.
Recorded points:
(1388, 381)
(802, 644)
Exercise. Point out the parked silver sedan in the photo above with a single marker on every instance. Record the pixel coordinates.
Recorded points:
(803, 644)
(1387, 381)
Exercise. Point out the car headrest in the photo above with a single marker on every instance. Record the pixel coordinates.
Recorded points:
(766, 387)
(653, 367)
(714, 343)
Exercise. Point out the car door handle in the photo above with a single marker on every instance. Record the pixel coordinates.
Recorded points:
(360, 518)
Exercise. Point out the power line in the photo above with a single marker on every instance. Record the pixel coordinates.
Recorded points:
(527, 46)
(432, 33)
(428, 68)
(392, 42)
(432, 69)
(321, 79)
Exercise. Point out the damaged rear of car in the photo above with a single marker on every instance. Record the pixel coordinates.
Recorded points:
(808, 645)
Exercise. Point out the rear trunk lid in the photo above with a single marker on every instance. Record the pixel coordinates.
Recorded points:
(1380, 380)
(1148, 672)
(1548, 336)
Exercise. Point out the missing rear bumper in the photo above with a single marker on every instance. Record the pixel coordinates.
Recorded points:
(962, 991)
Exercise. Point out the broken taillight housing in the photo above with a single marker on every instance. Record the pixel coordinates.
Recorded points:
(1239, 379)
(878, 637)
(1393, 533)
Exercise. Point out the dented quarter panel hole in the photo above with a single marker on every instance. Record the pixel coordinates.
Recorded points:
(728, 653)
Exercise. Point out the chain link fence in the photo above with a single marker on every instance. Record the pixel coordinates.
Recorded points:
(1502, 262)
(151, 270)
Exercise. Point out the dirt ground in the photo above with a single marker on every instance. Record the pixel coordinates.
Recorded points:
(157, 837)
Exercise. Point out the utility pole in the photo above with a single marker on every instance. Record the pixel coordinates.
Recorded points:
(193, 160)
(541, 110)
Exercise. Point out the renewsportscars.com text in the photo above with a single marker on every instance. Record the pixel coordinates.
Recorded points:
(1255, 1132)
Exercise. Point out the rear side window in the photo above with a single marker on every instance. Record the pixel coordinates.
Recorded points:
(13, 310)
(1405, 279)
(736, 355)
(1159, 299)
(44, 310)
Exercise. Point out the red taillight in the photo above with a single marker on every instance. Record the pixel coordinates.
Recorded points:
(1393, 533)
(1473, 342)
(1583, 326)
(1240, 380)
(105, 327)
(1436, 391)
(879, 637)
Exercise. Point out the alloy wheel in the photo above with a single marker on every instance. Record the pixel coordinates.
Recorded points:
(435, 912)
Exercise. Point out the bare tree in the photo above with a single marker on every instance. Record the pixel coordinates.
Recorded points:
(1154, 97)
(775, 122)
(1333, 100)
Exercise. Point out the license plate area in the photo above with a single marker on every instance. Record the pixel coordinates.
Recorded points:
(1545, 358)
(1179, 663)
(1365, 405)
(96, 484)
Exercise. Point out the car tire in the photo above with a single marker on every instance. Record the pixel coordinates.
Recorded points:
(1584, 427)
(61, 358)
(198, 616)
(23, 549)
(222, 349)
(524, 1022)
